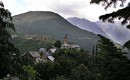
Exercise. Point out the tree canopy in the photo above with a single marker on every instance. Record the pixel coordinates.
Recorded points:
(123, 13)
(8, 52)
(111, 62)
(57, 44)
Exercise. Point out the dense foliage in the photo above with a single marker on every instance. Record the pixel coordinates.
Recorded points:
(106, 62)
(25, 45)
(67, 61)
(57, 44)
(8, 52)
(112, 63)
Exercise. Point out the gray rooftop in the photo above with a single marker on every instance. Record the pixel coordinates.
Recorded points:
(34, 54)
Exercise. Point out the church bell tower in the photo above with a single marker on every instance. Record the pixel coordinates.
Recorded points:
(65, 39)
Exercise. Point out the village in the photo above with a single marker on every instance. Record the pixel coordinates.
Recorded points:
(44, 55)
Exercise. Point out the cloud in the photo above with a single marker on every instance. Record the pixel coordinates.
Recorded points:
(66, 8)
(69, 7)
(37, 5)
(9, 3)
(15, 6)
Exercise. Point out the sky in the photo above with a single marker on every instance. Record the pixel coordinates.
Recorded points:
(66, 8)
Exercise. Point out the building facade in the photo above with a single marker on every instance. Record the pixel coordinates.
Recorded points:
(69, 45)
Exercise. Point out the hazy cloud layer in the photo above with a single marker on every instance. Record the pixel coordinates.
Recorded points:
(66, 8)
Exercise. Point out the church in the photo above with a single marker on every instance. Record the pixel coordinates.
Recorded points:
(69, 45)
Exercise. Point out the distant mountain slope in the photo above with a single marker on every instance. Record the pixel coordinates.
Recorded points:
(115, 31)
(52, 25)
(86, 25)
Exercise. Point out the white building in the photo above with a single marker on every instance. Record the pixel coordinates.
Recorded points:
(52, 50)
(68, 45)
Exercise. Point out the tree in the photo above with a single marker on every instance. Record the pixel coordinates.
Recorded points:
(61, 78)
(57, 44)
(46, 71)
(28, 73)
(80, 72)
(7, 49)
(112, 63)
(123, 14)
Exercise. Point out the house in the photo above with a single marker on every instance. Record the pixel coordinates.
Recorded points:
(33, 55)
(69, 45)
(42, 50)
(52, 50)
(48, 56)
(41, 56)
(44, 54)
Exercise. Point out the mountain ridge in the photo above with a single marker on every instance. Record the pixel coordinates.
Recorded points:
(52, 25)
(116, 32)
(86, 25)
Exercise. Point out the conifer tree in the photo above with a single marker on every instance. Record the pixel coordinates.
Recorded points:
(112, 62)
(123, 14)
(7, 49)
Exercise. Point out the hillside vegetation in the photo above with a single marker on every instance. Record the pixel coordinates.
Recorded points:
(54, 26)
(25, 44)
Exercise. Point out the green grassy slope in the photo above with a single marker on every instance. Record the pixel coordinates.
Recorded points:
(52, 25)
(25, 45)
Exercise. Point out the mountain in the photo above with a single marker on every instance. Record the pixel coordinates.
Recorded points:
(86, 25)
(52, 25)
(114, 31)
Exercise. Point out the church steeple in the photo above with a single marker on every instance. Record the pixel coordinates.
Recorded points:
(65, 39)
